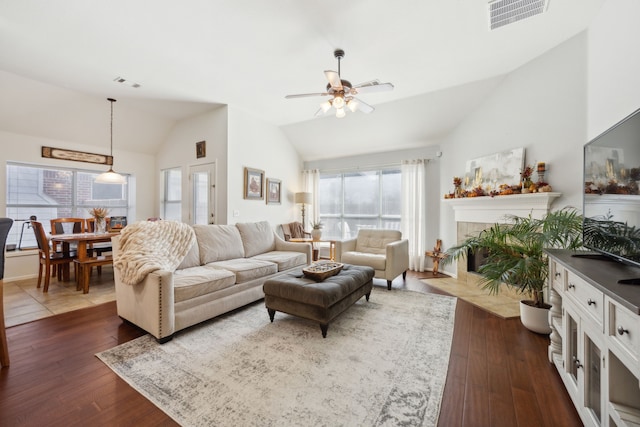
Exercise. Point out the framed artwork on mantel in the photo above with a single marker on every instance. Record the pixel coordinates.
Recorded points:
(495, 169)
(253, 184)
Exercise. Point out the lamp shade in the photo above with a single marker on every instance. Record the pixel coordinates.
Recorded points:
(111, 177)
(303, 197)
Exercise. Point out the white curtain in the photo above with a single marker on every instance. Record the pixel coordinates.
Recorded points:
(414, 207)
(310, 183)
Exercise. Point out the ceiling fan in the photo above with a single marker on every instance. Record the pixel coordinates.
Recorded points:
(343, 92)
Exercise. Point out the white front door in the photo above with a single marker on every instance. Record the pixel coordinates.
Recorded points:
(203, 191)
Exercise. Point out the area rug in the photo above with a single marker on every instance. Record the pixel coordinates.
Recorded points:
(383, 363)
(505, 305)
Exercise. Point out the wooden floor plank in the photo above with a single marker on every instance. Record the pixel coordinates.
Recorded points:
(55, 379)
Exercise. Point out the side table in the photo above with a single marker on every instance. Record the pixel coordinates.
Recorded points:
(332, 246)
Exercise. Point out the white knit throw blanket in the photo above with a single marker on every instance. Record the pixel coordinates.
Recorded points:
(147, 246)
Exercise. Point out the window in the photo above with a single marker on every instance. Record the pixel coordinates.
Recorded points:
(351, 201)
(50, 192)
(172, 194)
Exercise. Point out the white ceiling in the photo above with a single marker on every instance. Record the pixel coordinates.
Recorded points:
(193, 56)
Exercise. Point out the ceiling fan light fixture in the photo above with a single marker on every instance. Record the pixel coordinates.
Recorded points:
(325, 106)
(341, 92)
(110, 176)
(352, 104)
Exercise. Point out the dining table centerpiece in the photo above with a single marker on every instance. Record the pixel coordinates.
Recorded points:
(100, 217)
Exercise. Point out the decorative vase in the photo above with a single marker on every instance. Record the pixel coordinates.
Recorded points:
(100, 225)
(316, 234)
(457, 192)
(535, 319)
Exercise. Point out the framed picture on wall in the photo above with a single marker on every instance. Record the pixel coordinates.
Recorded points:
(273, 191)
(201, 149)
(253, 184)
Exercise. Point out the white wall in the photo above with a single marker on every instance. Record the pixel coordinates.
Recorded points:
(256, 144)
(27, 149)
(613, 82)
(179, 151)
(542, 107)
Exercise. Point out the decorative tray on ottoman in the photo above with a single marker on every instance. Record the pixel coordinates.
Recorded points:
(321, 270)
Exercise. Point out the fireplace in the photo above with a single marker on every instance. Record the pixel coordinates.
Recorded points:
(476, 260)
(474, 215)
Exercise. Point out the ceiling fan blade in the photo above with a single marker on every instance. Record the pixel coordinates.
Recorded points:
(334, 79)
(303, 95)
(363, 106)
(320, 112)
(371, 87)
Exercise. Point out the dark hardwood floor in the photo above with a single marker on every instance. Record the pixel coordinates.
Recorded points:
(499, 374)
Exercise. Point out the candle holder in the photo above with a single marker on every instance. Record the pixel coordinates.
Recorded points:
(541, 170)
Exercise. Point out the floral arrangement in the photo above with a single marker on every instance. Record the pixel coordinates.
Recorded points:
(99, 213)
(526, 173)
(457, 181)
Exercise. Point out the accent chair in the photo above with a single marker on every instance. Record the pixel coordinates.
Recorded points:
(384, 250)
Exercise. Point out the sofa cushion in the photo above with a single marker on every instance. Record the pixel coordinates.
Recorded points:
(257, 237)
(193, 282)
(377, 261)
(375, 241)
(218, 242)
(247, 269)
(285, 260)
(193, 257)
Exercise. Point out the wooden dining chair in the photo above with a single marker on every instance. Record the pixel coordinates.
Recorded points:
(5, 226)
(66, 226)
(47, 258)
(97, 249)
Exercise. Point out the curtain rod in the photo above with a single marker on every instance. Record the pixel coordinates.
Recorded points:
(364, 167)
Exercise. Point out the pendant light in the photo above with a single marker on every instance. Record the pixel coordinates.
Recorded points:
(110, 176)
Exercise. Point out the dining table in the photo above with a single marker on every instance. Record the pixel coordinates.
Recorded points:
(82, 242)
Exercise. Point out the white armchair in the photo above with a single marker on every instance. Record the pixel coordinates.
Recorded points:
(384, 250)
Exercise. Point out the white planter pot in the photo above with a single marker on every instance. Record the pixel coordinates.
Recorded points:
(534, 318)
(316, 234)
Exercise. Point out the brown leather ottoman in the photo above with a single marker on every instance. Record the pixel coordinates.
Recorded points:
(295, 294)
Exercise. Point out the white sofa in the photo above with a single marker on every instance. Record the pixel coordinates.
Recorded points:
(384, 250)
(225, 269)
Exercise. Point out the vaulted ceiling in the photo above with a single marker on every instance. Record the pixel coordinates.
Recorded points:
(194, 56)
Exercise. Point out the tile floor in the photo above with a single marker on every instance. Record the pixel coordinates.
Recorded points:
(23, 302)
(506, 304)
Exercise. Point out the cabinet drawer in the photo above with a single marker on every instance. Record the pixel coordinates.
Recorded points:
(588, 298)
(557, 273)
(624, 327)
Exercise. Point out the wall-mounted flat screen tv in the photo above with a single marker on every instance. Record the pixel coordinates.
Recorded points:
(611, 197)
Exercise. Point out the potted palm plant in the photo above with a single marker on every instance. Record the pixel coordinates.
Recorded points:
(515, 257)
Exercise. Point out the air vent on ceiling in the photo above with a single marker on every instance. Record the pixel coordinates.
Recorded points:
(127, 82)
(504, 12)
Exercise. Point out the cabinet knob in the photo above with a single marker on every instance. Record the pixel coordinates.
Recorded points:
(576, 362)
(591, 302)
(622, 331)
(572, 286)
(558, 274)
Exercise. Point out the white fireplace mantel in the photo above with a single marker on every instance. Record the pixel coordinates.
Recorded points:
(495, 209)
